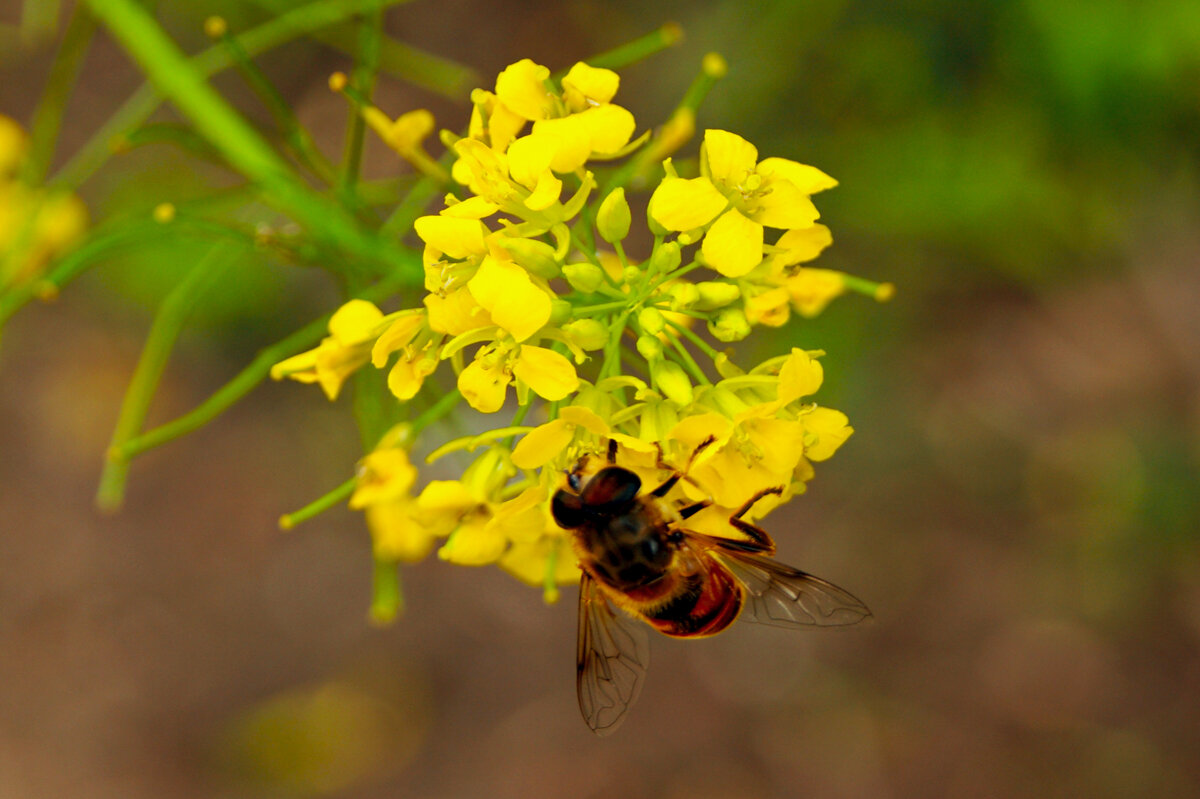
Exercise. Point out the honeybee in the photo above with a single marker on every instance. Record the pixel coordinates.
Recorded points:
(635, 554)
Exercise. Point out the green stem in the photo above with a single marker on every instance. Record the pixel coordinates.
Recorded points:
(365, 68)
(253, 374)
(167, 67)
(297, 137)
(47, 119)
(688, 362)
(387, 598)
(171, 316)
(433, 413)
(319, 505)
(641, 48)
(692, 337)
(440, 75)
(290, 24)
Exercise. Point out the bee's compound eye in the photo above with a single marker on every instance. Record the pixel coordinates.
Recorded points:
(567, 510)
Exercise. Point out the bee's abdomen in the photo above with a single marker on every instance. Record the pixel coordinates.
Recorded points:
(703, 604)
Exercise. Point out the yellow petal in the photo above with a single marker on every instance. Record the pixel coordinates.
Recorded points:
(408, 375)
(812, 289)
(395, 534)
(474, 543)
(808, 179)
(585, 418)
(523, 517)
(456, 313)
(679, 204)
(354, 322)
(610, 128)
(471, 208)
(568, 140)
(727, 158)
(529, 157)
(768, 308)
(482, 387)
(782, 205)
(548, 373)
(545, 193)
(734, 244)
(542, 444)
(802, 245)
(513, 301)
(398, 335)
(585, 86)
(457, 238)
(530, 562)
(522, 88)
(825, 430)
(800, 376)
(383, 475)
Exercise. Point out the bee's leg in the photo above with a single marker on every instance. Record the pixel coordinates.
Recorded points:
(758, 535)
(688, 511)
(575, 475)
(677, 475)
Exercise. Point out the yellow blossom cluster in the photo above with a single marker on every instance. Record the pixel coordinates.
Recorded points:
(36, 224)
(532, 282)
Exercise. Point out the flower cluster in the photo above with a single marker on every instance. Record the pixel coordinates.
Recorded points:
(36, 224)
(533, 283)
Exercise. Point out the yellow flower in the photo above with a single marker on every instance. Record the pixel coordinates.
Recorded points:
(36, 225)
(484, 382)
(546, 442)
(384, 490)
(547, 560)
(811, 289)
(511, 298)
(353, 329)
(736, 197)
(750, 454)
(405, 134)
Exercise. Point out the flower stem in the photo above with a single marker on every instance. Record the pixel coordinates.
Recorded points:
(171, 316)
(318, 505)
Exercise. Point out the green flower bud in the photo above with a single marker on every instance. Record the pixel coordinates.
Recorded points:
(684, 296)
(672, 381)
(714, 294)
(649, 347)
(730, 325)
(588, 334)
(584, 277)
(613, 218)
(535, 256)
(631, 274)
(665, 257)
(651, 321)
(560, 311)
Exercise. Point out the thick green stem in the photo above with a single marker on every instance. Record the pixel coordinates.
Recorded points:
(241, 145)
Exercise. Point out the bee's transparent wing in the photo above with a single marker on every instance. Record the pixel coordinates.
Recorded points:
(613, 653)
(780, 595)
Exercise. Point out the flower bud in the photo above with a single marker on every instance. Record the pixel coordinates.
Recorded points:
(651, 321)
(588, 334)
(613, 218)
(649, 347)
(560, 312)
(673, 382)
(684, 296)
(535, 256)
(715, 295)
(631, 274)
(583, 276)
(730, 325)
(665, 258)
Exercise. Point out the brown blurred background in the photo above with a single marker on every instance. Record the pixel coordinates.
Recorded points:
(1019, 506)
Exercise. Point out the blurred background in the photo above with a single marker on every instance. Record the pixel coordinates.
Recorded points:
(1019, 506)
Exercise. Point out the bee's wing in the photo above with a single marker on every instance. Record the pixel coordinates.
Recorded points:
(612, 656)
(780, 595)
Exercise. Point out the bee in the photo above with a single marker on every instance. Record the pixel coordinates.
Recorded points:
(635, 555)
